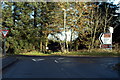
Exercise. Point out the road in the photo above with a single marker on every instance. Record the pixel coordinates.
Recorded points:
(63, 67)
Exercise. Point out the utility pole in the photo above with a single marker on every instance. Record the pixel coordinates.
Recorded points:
(64, 26)
(65, 44)
(4, 49)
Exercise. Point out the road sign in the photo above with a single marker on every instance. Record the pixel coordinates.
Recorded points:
(5, 32)
(106, 38)
(108, 46)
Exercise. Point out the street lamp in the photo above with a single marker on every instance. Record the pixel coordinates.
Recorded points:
(64, 20)
(64, 26)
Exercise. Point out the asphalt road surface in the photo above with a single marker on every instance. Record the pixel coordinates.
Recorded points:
(63, 67)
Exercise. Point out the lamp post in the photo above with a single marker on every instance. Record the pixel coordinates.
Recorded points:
(65, 27)
(66, 44)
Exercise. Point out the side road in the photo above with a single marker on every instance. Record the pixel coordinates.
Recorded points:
(7, 61)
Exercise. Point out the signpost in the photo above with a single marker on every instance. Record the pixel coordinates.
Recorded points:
(4, 33)
(106, 39)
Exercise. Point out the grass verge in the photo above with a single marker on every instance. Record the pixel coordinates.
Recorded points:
(74, 53)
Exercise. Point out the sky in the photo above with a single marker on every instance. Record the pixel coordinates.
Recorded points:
(62, 37)
(116, 1)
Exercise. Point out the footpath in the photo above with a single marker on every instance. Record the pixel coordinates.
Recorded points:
(7, 61)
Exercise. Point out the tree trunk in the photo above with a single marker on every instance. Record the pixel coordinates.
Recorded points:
(106, 15)
(66, 43)
(67, 49)
(14, 14)
(46, 42)
(41, 44)
(76, 47)
(93, 40)
(61, 47)
(71, 42)
(35, 14)
(105, 26)
(90, 24)
(46, 45)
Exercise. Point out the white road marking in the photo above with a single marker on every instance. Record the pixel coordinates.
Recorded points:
(56, 61)
(41, 59)
(33, 59)
(38, 59)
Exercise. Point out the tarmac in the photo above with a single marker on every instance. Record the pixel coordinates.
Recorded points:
(30, 68)
(7, 61)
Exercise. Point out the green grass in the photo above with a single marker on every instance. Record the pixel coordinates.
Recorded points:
(95, 53)
(73, 53)
(34, 53)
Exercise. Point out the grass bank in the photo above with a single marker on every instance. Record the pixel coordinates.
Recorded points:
(74, 53)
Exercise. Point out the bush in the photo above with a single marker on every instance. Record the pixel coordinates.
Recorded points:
(18, 46)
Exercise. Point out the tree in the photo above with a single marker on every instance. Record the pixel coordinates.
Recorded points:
(22, 32)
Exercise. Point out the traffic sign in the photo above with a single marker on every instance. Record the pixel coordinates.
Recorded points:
(106, 38)
(5, 32)
(108, 46)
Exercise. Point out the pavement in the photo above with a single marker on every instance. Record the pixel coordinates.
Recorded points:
(7, 61)
(63, 67)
